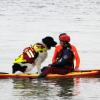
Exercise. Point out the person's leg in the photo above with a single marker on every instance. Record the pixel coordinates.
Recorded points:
(59, 68)
(44, 68)
(53, 70)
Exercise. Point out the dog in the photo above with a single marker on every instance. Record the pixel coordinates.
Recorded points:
(33, 56)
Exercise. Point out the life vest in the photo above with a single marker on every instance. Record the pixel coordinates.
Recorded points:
(19, 59)
(73, 49)
(31, 53)
(38, 47)
(66, 54)
(63, 54)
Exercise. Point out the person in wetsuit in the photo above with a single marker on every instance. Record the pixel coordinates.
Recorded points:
(63, 58)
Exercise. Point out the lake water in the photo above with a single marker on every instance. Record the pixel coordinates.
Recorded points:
(25, 22)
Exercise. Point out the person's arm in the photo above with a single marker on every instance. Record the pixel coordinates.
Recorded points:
(77, 58)
(54, 58)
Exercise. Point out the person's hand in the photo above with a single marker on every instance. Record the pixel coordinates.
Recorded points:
(76, 69)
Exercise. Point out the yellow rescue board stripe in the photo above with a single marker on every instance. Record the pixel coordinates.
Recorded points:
(91, 73)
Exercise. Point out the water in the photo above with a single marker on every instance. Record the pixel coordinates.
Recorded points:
(55, 89)
(24, 22)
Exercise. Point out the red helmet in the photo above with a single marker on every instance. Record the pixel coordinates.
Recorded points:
(64, 37)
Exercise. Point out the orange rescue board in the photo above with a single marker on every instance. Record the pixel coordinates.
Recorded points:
(81, 74)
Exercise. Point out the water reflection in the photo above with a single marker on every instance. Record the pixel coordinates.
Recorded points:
(66, 88)
(28, 87)
(43, 89)
(52, 89)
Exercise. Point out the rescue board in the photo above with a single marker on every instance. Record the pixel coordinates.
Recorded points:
(80, 74)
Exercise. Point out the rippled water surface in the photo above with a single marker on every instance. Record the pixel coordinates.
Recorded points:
(24, 22)
(55, 89)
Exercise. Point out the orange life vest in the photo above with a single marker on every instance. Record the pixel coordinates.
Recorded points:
(28, 54)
